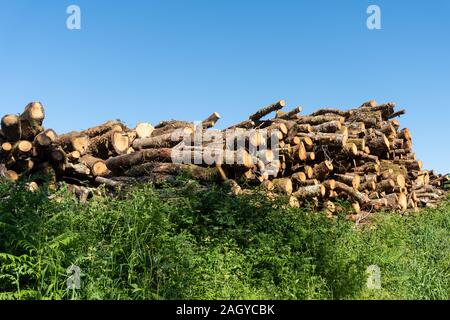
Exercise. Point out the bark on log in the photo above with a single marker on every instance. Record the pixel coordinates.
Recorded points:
(316, 120)
(96, 165)
(167, 140)
(266, 110)
(332, 139)
(73, 141)
(283, 185)
(31, 120)
(311, 191)
(110, 143)
(352, 193)
(123, 162)
(328, 127)
(199, 173)
(11, 128)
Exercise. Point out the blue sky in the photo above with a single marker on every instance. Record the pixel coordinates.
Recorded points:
(153, 60)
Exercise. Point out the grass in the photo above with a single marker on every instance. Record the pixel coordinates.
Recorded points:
(187, 244)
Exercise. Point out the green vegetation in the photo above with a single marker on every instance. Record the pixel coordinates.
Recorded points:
(186, 244)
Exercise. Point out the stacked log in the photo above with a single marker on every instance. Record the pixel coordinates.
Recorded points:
(361, 154)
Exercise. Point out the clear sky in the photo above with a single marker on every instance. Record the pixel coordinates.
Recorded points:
(139, 60)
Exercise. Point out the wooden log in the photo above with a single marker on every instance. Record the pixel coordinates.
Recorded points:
(31, 120)
(327, 111)
(288, 115)
(308, 143)
(247, 124)
(74, 156)
(109, 182)
(361, 198)
(369, 186)
(299, 177)
(368, 157)
(51, 134)
(283, 185)
(369, 104)
(385, 110)
(316, 120)
(197, 172)
(327, 127)
(97, 166)
(410, 164)
(163, 141)
(350, 180)
(110, 143)
(266, 110)
(322, 169)
(311, 191)
(332, 139)
(5, 148)
(386, 185)
(387, 129)
(42, 140)
(369, 167)
(351, 149)
(299, 152)
(378, 145)
(22, 148)
(57, 156)
(10, 125)
(106, 127)
(123, 162)
(329, 184)
(10, 175)
(211, 120)
(78, 169)
(34, 111)
(404, 134)
(402, 202)
(308, 182)
(73, 141)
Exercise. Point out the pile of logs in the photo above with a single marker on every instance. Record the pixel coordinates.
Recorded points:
(360, 154)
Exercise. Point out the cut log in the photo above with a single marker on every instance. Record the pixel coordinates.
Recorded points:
(311, 191)
(110, 143)
(328, 111)
(369, 104)
(283, 185)
(288, 115)
(299, 177)
(378, 145)
(316, 120)
(109, 182)
(74, 141)
(22, 148)
(11, 128)
(266, 110)
(327, 127)
(351, 149)
(11, 175)
(42, 140)
(31, 120)
(163, 141)
(350, 180)
(322, 170)
(352, 193)
(332, 139)
(123, 162)
(199, 173)
(97, 166)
